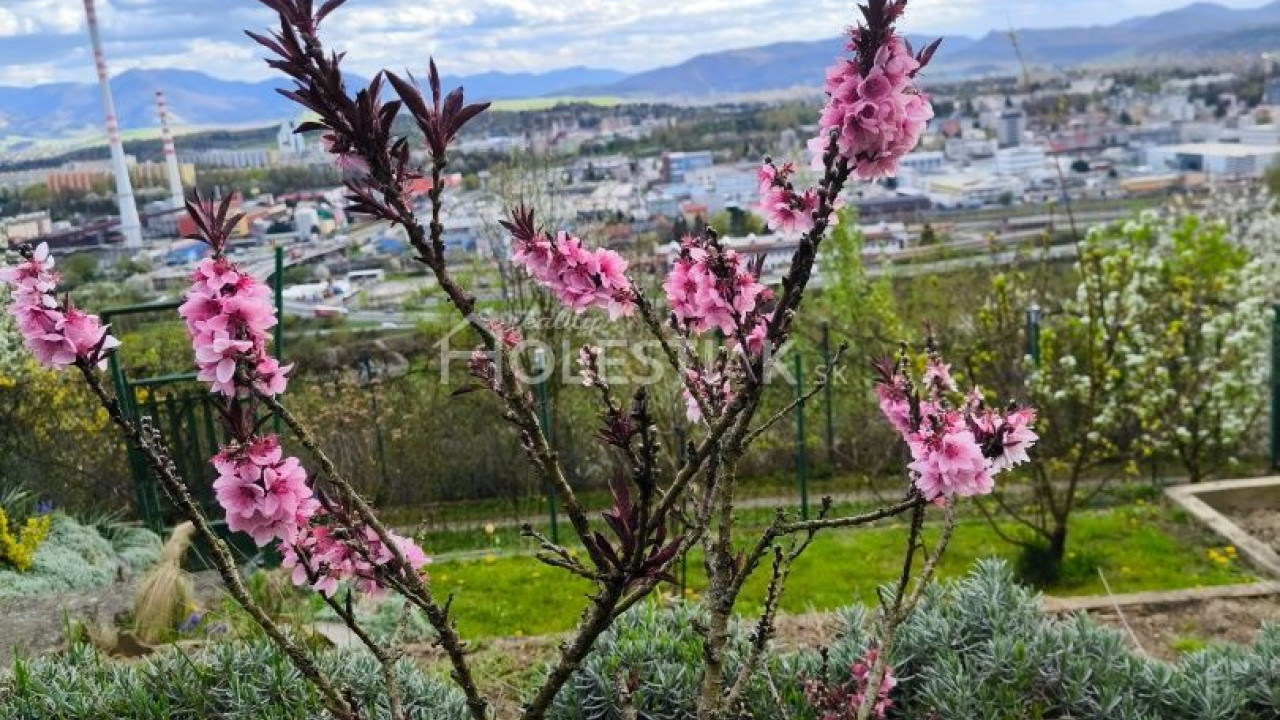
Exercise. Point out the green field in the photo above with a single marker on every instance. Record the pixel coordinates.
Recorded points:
(534, 104)
(1138, 547)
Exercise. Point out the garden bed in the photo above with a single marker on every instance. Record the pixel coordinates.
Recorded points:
(1168, 631)
(1262, 523)
(1244, 513)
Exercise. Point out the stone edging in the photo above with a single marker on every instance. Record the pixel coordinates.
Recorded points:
(1256, 552)
(1159, 597)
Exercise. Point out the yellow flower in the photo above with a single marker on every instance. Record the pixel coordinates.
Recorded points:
(490, 558)
(489, 529)
(1230, 550)
(20, 550)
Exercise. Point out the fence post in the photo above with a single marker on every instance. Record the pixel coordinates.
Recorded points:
(1034, 315)
(277, 284)
(827, 398)
(1275, 389)
(366, 366)
(802, 460)
(544, 418)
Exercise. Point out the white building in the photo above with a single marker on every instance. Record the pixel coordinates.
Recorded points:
(245, 158)
(970, 189)
(1214, 159)
(1268, 134)
(922, 163)
(1019, 160)
(969, 148)
(1011, 125)
(21, 228)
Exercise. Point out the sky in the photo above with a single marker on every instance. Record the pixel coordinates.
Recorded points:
(44, 41)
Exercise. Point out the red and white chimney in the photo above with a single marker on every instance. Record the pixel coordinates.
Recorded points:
(170, 154)
(130, 225)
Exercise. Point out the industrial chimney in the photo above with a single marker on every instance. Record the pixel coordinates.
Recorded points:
(130, 226)
(170, 154)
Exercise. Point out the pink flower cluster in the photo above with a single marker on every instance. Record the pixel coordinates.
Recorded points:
(947, 459)
(263, 495)
(713, 388)
(787, 211)
(879, 116)
(325, 555)
(267, 496)
(229, 314)
(580, 278)
(954, 452)
(842, 701)
(57, 334)
(709, 288)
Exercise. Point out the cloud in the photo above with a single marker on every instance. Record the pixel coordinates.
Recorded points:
(44, 40)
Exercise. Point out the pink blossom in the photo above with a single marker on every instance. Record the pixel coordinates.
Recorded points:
(323, 555)
(709, 288)
(57, 334)
(263, 493)
(894, 405)
(954, 452)
(581, 279)
(715, 391)
(787, 211)
(345, 159)
(879, 116)
(270, 376)
(937, 375)
(837, 701)
(1016, 438)
(229, 314)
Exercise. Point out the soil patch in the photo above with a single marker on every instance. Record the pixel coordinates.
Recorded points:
(1262, 523)
(1171, 630)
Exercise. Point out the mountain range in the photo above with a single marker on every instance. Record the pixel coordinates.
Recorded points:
(65, 109)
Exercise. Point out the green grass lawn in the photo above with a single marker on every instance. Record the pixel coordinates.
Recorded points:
(1138, 547)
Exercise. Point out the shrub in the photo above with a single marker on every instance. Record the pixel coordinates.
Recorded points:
(978, 647)
(75, 557)
(655, 653)
(226, 681)
(19, 549)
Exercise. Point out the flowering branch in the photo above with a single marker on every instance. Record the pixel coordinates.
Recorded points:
(148, 442)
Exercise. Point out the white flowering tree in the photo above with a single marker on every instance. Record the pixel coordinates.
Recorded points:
(1199, 347)
(1075, 380)
(1159, 354)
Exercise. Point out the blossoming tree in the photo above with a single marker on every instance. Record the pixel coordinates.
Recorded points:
(332, 538)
